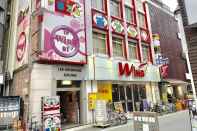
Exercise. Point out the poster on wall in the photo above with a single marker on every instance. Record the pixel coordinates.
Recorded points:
(23, 25)
(64, 38)
(51, 113)
(92, 101)
(104, 91)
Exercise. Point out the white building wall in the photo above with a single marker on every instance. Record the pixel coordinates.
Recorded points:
(41, 85)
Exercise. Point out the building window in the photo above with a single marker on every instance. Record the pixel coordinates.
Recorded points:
(129, 101)
(128, 14)
(130, 96)
(129, 2)
(118, 95)
(145, 52)
(99, 42)
(142, 22)
(117, 47)
(115, 8)
(98, 4)
(132, 47)
(139, 4)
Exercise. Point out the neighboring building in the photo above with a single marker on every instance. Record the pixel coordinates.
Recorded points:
(4, 25)
(182, 36)
(71, 49)
(188, 9)
(164, 24)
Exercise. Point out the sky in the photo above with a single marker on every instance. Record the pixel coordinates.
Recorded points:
(171, 3)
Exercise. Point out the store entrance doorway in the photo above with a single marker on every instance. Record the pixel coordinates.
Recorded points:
(69, 106)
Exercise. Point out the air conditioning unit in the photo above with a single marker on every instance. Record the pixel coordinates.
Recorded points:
(188, 76)
(179, 35)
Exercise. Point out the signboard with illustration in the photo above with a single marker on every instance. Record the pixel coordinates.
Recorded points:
(51, 113)
(118, 107)
(145, 121)
(132, 31)
(117, 26)
(73, 8)
(23, 23)
(64, 35)
(99, 20)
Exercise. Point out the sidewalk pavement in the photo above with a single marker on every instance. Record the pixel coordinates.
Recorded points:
(194, 124)
(125, 127)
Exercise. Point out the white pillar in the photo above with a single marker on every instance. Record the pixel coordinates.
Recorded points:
(86, 115)
(41, 84)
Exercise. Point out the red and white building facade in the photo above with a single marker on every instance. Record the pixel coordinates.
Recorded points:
(80, 46)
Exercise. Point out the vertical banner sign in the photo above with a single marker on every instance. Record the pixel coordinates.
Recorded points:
(64, 38)
(23, 24)
(104, 91)
(51, 113)
(92, 101)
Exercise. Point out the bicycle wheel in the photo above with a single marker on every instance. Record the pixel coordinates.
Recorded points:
(123, 119)
(114, 119)
(115, 122)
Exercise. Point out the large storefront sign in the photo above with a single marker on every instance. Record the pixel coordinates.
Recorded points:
(23, 23)
(126, 69)
(51, 113)
(64, 38)
(65, 41)
(68, 72)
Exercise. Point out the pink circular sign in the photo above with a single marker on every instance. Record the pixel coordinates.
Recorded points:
(21, 46)
(65, 41)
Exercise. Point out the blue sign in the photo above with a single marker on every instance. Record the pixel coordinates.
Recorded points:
(161, 60)
(100, 21)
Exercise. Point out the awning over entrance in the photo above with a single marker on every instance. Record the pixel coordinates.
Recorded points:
(176, 82)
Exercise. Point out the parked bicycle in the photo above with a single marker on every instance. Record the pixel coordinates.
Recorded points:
(115, 117)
